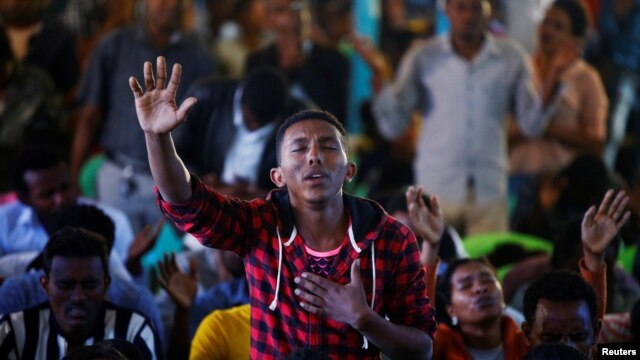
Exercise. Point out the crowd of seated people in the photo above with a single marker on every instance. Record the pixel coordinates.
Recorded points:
(467, 132)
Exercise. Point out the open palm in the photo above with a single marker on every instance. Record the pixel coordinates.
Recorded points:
(428, 223)
(181, 287)
(599, 228)
(156, 107)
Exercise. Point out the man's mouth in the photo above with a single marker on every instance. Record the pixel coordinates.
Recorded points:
(78, 311)
(315, 175)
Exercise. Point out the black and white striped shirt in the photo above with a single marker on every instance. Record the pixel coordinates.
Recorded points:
(34, 333)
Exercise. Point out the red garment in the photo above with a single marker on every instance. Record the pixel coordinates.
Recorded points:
(257, 229)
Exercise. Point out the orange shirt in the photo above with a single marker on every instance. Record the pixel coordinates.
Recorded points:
(449, 343)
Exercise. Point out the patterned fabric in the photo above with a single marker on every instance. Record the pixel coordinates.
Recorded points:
(321, 262)
(616, 328)
(258, 229)
(34, 333)
(321, 265)
(25, 291)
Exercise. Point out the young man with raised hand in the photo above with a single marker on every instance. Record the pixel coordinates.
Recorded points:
(324, 268)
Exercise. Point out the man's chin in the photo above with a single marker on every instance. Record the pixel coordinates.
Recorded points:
(76, 326)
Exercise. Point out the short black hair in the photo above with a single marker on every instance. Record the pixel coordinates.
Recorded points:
(112, 349)
(264, 93)
(84, 216)
(559, 286)
(443, 292)
(95, 352)
(73, 242)
(34, 157)
(577, 13)
(554, 351)
(309, 115)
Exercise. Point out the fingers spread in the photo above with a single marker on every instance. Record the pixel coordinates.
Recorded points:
(618, 205)
(184, 108)
(588, 217)
(410, 194)
(176, 73)
(148, 76)
(135, 87)
(435, 205)
(161, 72)
(624, 220)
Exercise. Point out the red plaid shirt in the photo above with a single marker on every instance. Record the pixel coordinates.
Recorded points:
(251, 229)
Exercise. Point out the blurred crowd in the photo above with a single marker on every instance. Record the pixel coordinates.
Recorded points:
(518, 115)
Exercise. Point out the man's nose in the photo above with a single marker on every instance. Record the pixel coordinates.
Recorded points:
(78, 293)
(479, 287)
(61, 198)
(314, 155)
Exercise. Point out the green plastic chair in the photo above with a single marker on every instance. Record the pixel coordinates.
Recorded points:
(626, 257)
(89, 174)
(484, 244)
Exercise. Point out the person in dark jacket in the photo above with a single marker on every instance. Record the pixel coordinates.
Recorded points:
(229, 139)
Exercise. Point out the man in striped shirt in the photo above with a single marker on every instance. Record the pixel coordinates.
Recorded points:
(75, 281)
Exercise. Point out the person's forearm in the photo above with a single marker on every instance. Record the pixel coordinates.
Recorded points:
(593, 262)
(593, 270)
(576, 139)
(430, 279)
(169, 173)
(396, 341)
(179, 346)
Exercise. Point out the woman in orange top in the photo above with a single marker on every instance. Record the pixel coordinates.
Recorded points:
(471, 296)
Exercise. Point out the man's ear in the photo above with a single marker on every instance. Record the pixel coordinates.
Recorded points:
(277, 178)
(350, 172)
(107, 282)
(526, 330)
(44, 282)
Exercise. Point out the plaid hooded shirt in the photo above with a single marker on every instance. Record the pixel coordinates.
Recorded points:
(263, 233)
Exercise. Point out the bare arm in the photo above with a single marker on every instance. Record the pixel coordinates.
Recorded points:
(158, 114)
(428, 223)
(182, 289)
(600, 227)
(591, 133)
